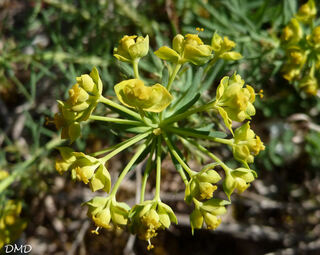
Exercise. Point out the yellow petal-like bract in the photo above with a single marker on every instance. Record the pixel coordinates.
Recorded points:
(134, 94)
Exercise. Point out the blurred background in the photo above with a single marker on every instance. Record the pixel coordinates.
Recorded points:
(45, 44)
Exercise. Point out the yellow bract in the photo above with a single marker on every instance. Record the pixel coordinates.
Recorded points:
(134, 94)
(131, 48)
(222, 48)
(186, 49)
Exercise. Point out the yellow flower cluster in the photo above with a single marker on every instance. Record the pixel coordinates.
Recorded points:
(84, 168)
(147, 217)
(190, 48)
(83, 98)
(144, 108)
(302, 49)
(11, 225)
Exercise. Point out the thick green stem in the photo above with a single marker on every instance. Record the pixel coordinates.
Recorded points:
(146, 173)
(135, 64)
(116, 120)
(210, 154)
(186, 114)
(176, 155)
(191, 134)
(125, 145)
(140, 150)
(158, 179)
(173, 76)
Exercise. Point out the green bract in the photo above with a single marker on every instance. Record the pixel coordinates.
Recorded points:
(159, 118)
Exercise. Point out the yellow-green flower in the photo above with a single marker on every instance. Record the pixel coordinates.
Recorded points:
(246, 144)
(222, 48)
(131, 48)
(292, 33)
(207, 212)
(84, 168)
(103, 210)
(201, 185)
(134, 94)
(233, 101)
(147, 217)
(239, 179)
(307, 12)
(186, 49)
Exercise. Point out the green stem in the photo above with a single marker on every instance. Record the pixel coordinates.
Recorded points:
(176, 155)
(182, 174)
(115, 120)
(111, 148)
(158, 179)
(120, 107)
(135, 64)
(191, 134)
(173, 76)
(186, 114)
(210, 154)
(23, 168)
(140, 150)
(146, 173)
(128, 143)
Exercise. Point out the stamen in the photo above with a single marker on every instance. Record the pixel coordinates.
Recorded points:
(199, 29)
(96, 231)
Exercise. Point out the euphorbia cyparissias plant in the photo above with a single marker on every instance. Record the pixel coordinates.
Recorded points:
(152, 109)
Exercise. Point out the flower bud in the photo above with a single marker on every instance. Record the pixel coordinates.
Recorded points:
(229, 185)
(134, 94)
(131, 48)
